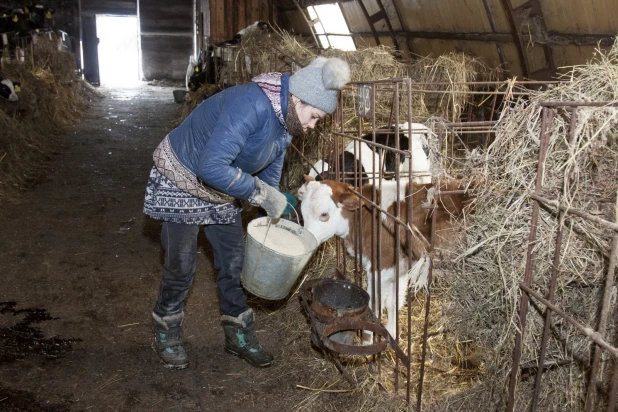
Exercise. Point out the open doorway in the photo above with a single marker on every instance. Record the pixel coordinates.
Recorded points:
(118, 50)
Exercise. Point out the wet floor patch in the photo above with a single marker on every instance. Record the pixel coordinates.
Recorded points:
(17, 400)
(24, 339)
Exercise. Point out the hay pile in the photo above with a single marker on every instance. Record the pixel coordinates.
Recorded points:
(262, 51)
(482, 282)
(52, 99)
(447, 95)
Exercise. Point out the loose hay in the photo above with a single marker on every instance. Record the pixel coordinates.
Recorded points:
(52, 99)
(486, 270)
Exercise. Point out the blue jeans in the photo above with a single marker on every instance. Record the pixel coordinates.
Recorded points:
(180, 244)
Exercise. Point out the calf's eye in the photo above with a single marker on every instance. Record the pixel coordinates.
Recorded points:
(324, 217)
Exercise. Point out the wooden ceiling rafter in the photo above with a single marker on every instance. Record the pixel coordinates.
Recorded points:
(494, 29)
(517, 17)
(310, 23)
(375, 18)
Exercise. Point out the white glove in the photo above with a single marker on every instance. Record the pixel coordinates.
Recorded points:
(268, 198)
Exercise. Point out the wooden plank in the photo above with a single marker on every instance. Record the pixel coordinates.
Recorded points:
(572, 55)
(229, 19)
(216, 20)
(442, 15)
(581, 16)
(255, 10)
(263, 10)
(242, 16)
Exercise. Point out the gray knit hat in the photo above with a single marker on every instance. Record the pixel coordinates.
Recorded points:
(318, 83)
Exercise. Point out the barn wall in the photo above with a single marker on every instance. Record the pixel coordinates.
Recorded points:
(228, 17)
(581, 16)
(114, 7)
(166, 36)
(438, 26)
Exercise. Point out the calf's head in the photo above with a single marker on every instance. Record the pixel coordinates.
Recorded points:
(324, 205)
(7, 90)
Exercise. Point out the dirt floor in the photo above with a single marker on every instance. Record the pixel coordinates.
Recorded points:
(80, 271)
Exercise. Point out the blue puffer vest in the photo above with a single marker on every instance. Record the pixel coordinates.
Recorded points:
(233, 136)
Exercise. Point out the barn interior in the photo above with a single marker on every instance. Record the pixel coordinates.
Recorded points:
(517, 101)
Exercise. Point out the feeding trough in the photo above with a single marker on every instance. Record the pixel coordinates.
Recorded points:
(338, 310)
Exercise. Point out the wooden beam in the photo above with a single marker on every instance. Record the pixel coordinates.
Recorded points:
(494, 29)
(517, 39)
(565, 38)
(373, 29)
(288, 7)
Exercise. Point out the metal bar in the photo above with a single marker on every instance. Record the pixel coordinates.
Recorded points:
(375, 220)
(409, 210)
(427, 310)
(588, 331)
(359, 270)
(379, 249)
(555, 272)
(397, 228)
(489, 82)
(576, 212)
(546, 326)
(479, 123)
(523, 306)
(611, 404)
(373, 143)
(575, 103)
(408, 227)
(474, 93)
(602, 326)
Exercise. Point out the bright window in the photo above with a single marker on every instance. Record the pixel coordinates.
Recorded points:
(332, 30)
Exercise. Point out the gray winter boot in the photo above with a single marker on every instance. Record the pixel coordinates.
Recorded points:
(168, 341)
(240, 339)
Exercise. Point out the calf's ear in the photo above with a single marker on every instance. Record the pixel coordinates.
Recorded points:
(308, 178)
(349, 200)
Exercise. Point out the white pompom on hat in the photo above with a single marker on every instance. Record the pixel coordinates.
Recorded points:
(318, 83)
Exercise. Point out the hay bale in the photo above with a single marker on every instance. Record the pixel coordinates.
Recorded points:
(486, 270)
(52, 99)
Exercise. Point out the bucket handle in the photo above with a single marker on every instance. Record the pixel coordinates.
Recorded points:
(300, 231)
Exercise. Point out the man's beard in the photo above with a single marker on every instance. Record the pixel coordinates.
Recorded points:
(295, 128)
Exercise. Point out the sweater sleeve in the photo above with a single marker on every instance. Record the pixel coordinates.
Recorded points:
(234, 126)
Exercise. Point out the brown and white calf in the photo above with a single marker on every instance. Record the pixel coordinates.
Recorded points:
(328, 210)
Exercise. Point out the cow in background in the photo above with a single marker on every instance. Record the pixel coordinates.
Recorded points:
(365, 159)
(329, 208)
(7, 90)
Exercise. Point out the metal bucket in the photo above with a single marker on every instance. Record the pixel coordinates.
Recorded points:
(270, 273)
(179, 96)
